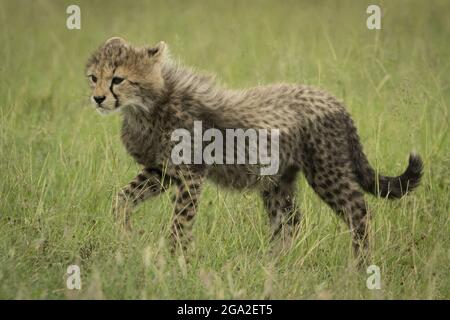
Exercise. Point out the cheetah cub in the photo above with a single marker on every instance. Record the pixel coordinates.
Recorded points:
(317, 137)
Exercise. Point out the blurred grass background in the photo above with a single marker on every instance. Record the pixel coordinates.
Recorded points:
(61, 162)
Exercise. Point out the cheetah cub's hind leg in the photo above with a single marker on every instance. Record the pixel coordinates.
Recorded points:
(280, 203)
(336, 184)
(150, 182)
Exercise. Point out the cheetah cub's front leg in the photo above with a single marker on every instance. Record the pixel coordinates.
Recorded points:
(150, 182)
(185, 209)
(280, 203)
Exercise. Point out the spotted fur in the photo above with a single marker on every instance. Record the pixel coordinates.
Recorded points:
(317, 137)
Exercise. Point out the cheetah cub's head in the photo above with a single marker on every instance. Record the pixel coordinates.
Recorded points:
(122, 76)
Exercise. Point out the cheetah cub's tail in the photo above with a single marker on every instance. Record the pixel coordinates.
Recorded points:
(379, 185)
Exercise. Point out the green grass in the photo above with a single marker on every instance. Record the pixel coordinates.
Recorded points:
(61, 163)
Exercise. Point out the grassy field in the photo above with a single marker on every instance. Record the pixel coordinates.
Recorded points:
(61, 163)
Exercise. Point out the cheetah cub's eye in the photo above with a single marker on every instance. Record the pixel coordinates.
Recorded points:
(117, 80)
(93, 78)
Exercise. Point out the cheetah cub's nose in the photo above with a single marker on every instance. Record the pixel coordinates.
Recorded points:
(99, 99)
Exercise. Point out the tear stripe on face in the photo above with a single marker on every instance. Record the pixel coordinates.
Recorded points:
(116, 103)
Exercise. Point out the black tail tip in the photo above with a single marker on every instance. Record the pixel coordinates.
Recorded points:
(397, 187)
(415, 165)
(411, 178)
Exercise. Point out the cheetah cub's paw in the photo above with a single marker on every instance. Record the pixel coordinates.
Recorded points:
(283, 242)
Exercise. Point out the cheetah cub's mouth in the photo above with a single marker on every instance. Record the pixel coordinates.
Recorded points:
(104, 111)
(121, 75)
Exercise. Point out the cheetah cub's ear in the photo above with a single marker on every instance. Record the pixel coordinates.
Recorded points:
(116, 41)
(159, 52)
